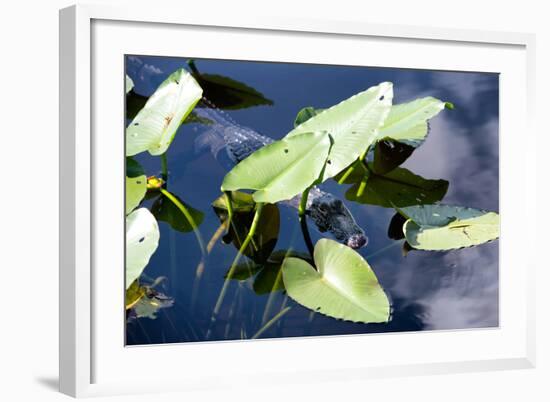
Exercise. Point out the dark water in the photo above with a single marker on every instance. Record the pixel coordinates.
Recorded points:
(429, 290)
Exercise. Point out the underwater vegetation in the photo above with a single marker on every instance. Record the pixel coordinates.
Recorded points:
(359, 143)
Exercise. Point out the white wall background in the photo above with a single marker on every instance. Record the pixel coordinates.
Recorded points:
(29, 201)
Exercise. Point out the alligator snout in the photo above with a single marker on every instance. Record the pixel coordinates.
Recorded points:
(357, 241)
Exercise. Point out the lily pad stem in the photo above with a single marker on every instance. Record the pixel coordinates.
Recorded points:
(187, 215)
(231, 271)
(303, 222)
(271, 322)
(164, 164)
(351, 169)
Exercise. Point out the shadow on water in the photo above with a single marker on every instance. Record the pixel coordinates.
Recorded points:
(457, 164)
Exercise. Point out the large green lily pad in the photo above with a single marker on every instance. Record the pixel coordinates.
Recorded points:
(445, 227)
(283, 169)
(353, 124)
(408, 122)
(155, 126)
(405, 129)
(343, 286)
(142, 238)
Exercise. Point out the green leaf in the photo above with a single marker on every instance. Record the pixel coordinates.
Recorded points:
(305, 114)
(353, 125)
(227, 93)
(240, 202)
(408, 122)
(129, 84)
(166, 211)
(142, 238)
(133, 168)
(269, 279)
(343, 286)
(268, 274)
(405, 129)
(398, 188)
(155, 125)
(267, 230)
(283, 169)
(135, 102)
(136, 187)
(445, 227)
(245, 270)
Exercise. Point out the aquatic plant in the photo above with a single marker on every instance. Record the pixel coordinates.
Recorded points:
(266, 234)
(366, 121)
(353, 124)
(445, 227)
(396, 188)
(153, 129)
(227, 93)
(142, 237)
(360, 142)
(155, 125)
(341, 285)
(283, 169)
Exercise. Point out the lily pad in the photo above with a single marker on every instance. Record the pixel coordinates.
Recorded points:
(343, 286)
(268, 276)
(227, 93)
(398, 188)
(142, 238)
(155, 126)
(166, 211)
(133, 168)
(445, 227)
(408, 122)
(269, 279)
(405, 129)
(353, 124)
(135, 102)
(283, 169)
(136, 187)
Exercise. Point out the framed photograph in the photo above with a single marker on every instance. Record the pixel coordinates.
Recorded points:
(289, 199)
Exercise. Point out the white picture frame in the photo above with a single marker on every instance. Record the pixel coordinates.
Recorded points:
(90, 359)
